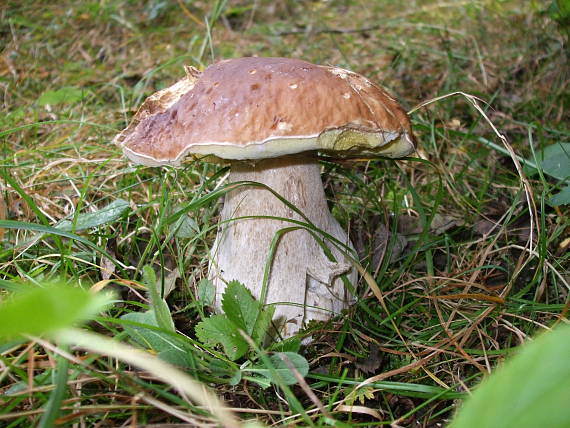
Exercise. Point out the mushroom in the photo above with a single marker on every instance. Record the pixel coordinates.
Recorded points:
(268, 117)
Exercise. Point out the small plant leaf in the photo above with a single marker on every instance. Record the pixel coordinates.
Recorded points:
(246, 312)
(40, 311)
(241, 312)
(150, 338)
(281, 373)
(224, 369)
(561, 198)
(531, 390)
(554, 160)
(240, 307)
(359, 394)
(218, 329)
(105, 215)
(206, 292)
(185, 227)
(177, 357)
(158, 304)
(262, 324)
(65, 95)
(291, 344)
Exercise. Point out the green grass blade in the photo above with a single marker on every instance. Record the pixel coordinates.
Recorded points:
(34, 227)
(53, 406)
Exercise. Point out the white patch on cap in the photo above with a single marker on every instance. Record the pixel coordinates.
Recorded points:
(346, 95)
(343, 74)
(284, 126)
(252, 71)
(293, 86)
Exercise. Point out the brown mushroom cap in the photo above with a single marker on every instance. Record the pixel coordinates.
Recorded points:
(255, 108)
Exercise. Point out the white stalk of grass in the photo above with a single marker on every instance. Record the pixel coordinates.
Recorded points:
(534, 225)
(165, 372)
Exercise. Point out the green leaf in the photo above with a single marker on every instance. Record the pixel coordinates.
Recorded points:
(146, 337)
(262, 324)
(41, 311)
(150, 338)
(65, 95)
(57, 395)
(241, 312)
(224, 369)
(105, 215)
(218, 329)
(531, 390)
(206, 292)
(554, 160)
(158, 304)
(177, 357)
(280, 373)
(360, 394)
(245, 312)
(561, 198)
(186, 227)
(20, 225)
(291, 344)
(239, 306)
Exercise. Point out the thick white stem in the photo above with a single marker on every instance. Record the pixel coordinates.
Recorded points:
(303, 280)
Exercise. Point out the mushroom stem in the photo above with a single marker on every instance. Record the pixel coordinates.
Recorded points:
(303, 283)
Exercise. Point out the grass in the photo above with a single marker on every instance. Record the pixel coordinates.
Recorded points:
(474, 270)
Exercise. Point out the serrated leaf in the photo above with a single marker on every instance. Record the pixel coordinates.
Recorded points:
(65, 95)
(239, 306)
(218, 329)
(245, 312)
(360, 394)
(281, 373)
(40, 311)
(531, 390)
(105, 215)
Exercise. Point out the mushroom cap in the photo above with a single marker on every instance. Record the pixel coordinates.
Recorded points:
(256, 108)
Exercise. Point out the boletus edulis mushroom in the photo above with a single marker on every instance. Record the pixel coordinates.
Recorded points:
(268, 117)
